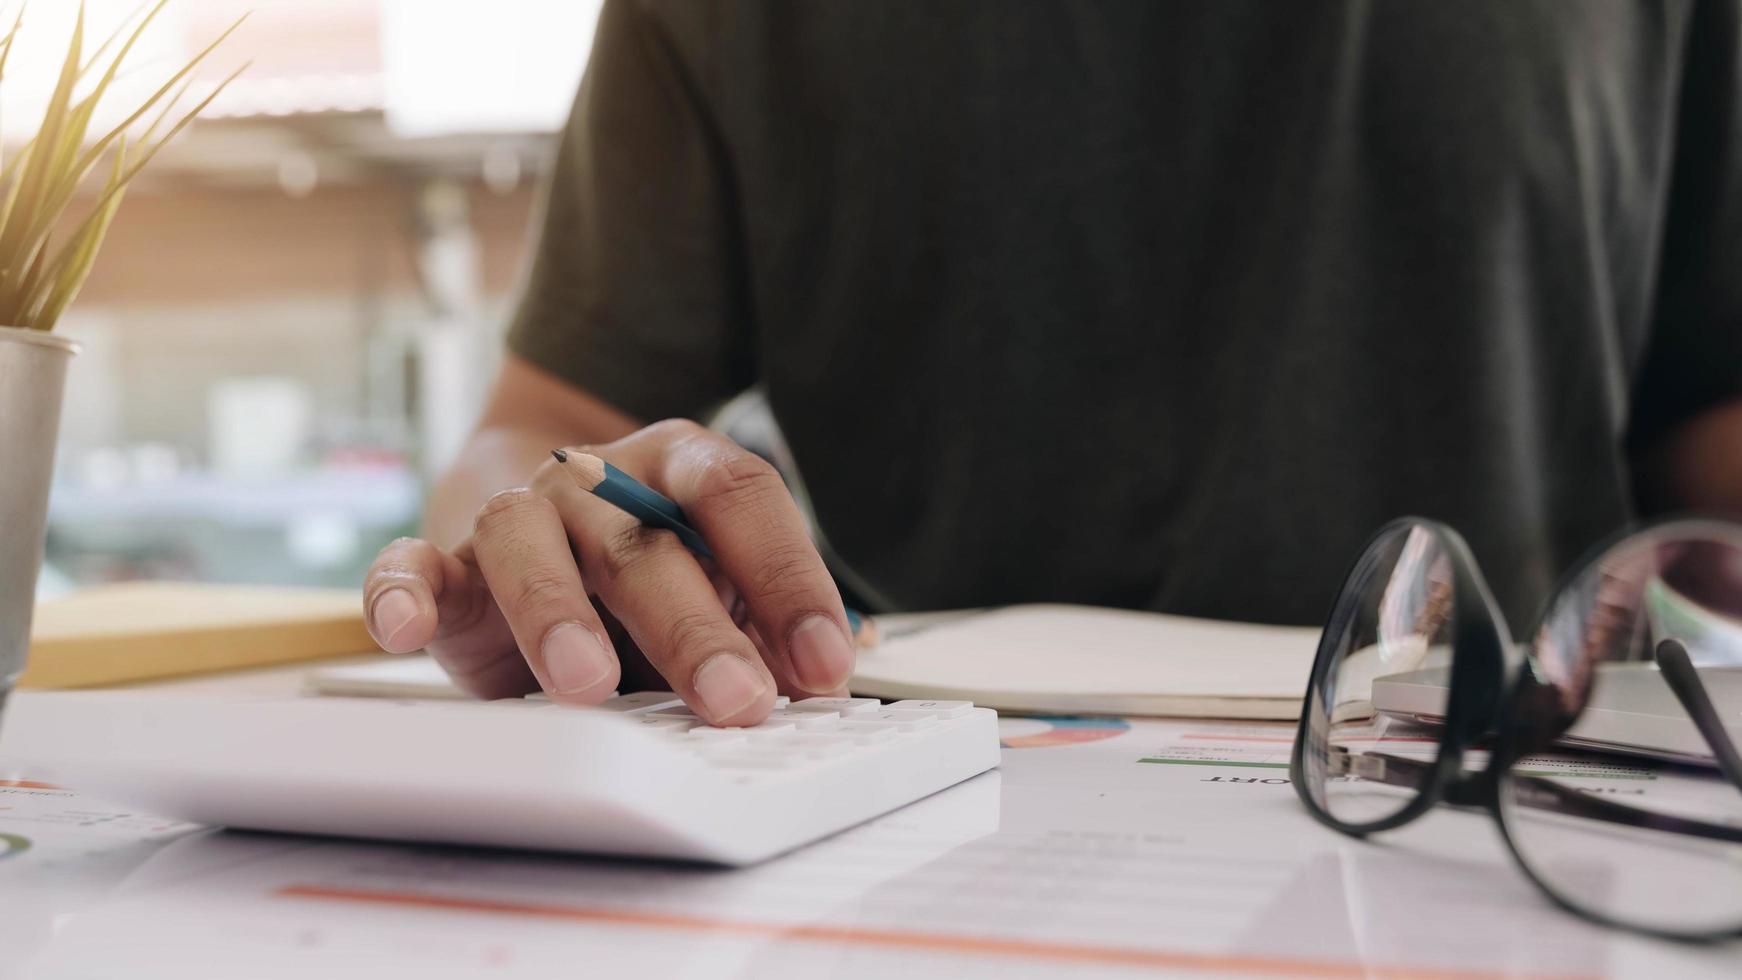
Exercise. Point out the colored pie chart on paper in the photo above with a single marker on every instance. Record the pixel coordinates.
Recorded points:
(12, 845)
(1045, 732)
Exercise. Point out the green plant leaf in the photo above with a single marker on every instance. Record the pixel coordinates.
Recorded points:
(12, 304)
(72, 266)
(41, 182)
(97, 150)
(70, 175)
(16, 252)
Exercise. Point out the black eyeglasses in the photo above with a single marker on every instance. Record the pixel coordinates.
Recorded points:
(1415, 637)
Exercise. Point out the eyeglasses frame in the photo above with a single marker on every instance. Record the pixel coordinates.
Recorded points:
(1495, 690)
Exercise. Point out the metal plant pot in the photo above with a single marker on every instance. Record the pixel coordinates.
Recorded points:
(33, 370)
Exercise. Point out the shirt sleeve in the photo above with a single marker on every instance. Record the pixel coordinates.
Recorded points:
(636, 292)
(1693, 358)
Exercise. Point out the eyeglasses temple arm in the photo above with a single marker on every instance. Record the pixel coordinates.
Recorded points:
(1398, 770)
(1546, 794)
(1679, 673)
(1380, 767)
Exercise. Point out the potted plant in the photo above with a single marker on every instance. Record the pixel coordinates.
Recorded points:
(50, 232)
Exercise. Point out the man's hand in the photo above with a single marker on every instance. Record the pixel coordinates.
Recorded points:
(520, 599)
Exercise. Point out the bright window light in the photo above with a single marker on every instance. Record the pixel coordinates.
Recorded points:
(459, 66)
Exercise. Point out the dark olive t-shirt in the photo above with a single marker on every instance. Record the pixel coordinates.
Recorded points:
(1161, 305)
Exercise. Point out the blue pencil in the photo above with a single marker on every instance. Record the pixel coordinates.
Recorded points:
(652, 508)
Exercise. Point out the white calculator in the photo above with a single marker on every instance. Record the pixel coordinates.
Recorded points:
(639, 776)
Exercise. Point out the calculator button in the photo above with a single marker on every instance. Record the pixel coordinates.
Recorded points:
(642, 701)
(658, 723)
(901, 721)
(866, 732)
(772, 726)
(709, 735)
(526, 702)
(937, 709)
(808, 721)
(781, 702)
(845, 707)
(765, 731)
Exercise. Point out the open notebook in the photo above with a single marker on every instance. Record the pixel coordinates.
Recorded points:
(1026, 659)
(1088, 660)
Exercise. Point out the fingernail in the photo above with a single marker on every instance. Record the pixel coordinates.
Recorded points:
(393, 611)
(574, 659)
(727, 685)
(822, 657)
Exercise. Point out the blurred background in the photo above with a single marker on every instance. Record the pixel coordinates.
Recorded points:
(291, 325)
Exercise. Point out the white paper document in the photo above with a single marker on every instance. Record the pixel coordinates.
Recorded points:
(1102, 848)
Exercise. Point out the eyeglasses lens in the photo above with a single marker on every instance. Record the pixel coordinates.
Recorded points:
(1627, 817)
(1362, 766)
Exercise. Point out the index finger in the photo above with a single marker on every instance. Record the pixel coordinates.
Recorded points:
(417, 596)
(760, 541)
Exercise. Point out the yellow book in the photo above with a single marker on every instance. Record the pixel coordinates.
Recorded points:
(140, 631)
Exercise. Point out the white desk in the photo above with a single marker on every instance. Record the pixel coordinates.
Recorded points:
(1075, 859)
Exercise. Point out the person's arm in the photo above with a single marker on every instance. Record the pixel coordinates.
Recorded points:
(1685, 429)
(636, 309)
(529, 413)
(1696, 466)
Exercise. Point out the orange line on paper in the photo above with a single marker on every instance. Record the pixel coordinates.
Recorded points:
(887, 938)
(28, 784)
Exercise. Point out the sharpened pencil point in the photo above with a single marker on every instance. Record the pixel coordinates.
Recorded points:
(561, 455)
(585, 469)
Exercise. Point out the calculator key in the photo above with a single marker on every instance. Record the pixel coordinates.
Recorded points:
(526, 702)
(781, 702)
(709, 735)
(641, 701)
(901, 721)
(540, 696)
(866, 732)
(681, 711)
(808, 721)
(937, 709)
(772, 726)
(845, 707)
(658, 723)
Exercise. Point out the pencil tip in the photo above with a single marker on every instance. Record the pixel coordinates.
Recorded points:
(561, 455)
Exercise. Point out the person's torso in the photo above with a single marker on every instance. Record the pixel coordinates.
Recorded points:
(1170, 305)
